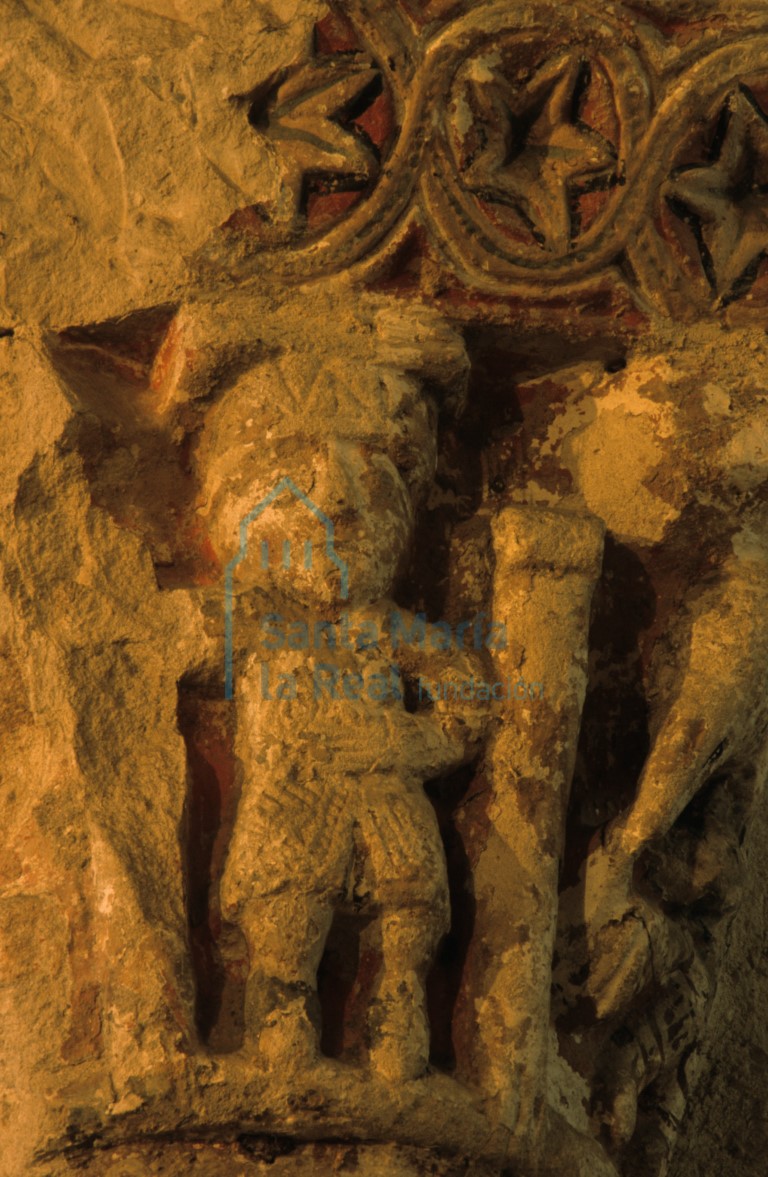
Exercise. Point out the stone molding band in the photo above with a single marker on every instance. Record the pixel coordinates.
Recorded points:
(540, 165)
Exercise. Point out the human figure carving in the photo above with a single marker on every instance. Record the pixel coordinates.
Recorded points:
(333, 814)
(680, 486)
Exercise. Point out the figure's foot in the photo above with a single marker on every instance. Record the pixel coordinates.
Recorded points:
(396, 1059)
(616, 1115)
(569, 1153)
(288, 1042)
(603, 933)
(246, 1074)
(623, 1115)
(607, 883)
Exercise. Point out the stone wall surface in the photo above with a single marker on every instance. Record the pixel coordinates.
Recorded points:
(383, 588)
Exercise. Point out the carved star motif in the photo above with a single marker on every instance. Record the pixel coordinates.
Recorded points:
(309, 116)
(535, 159)
(726, 202)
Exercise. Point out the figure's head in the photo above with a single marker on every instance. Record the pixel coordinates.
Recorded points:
(345, 406)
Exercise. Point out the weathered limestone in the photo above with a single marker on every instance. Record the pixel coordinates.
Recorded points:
(383, 539)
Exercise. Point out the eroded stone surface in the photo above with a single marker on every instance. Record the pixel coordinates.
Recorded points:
(383, 533)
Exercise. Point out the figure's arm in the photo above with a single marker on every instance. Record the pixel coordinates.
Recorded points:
(719, 713)
(444, 675)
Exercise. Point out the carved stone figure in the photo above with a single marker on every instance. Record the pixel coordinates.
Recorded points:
(332, 813)
(705, 680)
(384, 548)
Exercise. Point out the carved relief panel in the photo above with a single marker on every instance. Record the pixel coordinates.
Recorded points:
(383, 609)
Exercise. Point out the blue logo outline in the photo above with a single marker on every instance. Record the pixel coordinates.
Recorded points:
(283, 485)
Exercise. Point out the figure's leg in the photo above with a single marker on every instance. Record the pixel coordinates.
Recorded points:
(284, 907)
(286, 934)
(412, 889)
(285, 872)
(398, 1019)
